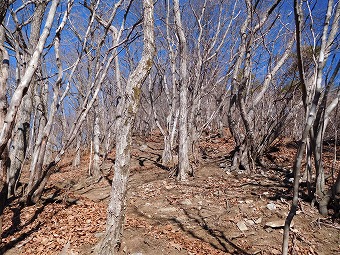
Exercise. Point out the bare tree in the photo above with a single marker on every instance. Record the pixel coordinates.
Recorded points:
(184, 168)
(4, 66)
(127, 109)
(313, 92)
(19, 144)
(25, 81)
(259, 31)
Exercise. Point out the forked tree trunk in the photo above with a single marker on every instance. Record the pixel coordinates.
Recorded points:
(315, 95)
(128, 108)
(20, 140)
(25, 81)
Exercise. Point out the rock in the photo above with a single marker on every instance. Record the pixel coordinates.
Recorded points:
(258, 221)
(250, 222)
(143, 147)
(167, 209)
(277, 224)
(223, 165)
(218, 193)
(65, 250)
(242, 226)
(176, 246)
(186, 202)
(268, 230)
(271, 206)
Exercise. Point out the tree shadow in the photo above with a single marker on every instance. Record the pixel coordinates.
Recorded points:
(16, 222)
(22, 237)
(225, 244)
(156, 162)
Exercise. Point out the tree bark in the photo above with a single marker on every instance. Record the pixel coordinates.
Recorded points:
(128, 107)
(315, 95)
(96, 144)
(4, 66)
(24, 84)
(3, 9)
(184, 168)
(20, 139)
(76, 160)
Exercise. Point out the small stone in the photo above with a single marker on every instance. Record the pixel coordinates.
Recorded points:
(249, 201)
(277, 224)
(268, 230)
(143, 147)
(186, 202)
(218, 193)
(271, 206)
(168, 209)
(176, 246)
(242, 226)
(258, 221)
(250, 222)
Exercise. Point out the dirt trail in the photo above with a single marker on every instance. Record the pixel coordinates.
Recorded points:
(214, 212)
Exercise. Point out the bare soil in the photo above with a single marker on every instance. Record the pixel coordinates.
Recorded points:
(214, 212)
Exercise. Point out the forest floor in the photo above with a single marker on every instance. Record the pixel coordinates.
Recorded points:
(214, 212)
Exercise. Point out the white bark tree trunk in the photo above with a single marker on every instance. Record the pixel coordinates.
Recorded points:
(76, 160)
(184, 168)
(313, 91)
(20, 140)
(4, 66)
(127, 111)
(96, 144)
(23, 86)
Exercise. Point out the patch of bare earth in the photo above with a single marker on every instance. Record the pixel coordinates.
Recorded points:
(214, 212)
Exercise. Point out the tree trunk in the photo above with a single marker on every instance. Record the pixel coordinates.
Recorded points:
(76, 160)
(127, 110)
(20, 140)
(314, 94)
(96, 144)
(24, 84)
(167, 151)
(4, 66)
(184, 168)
